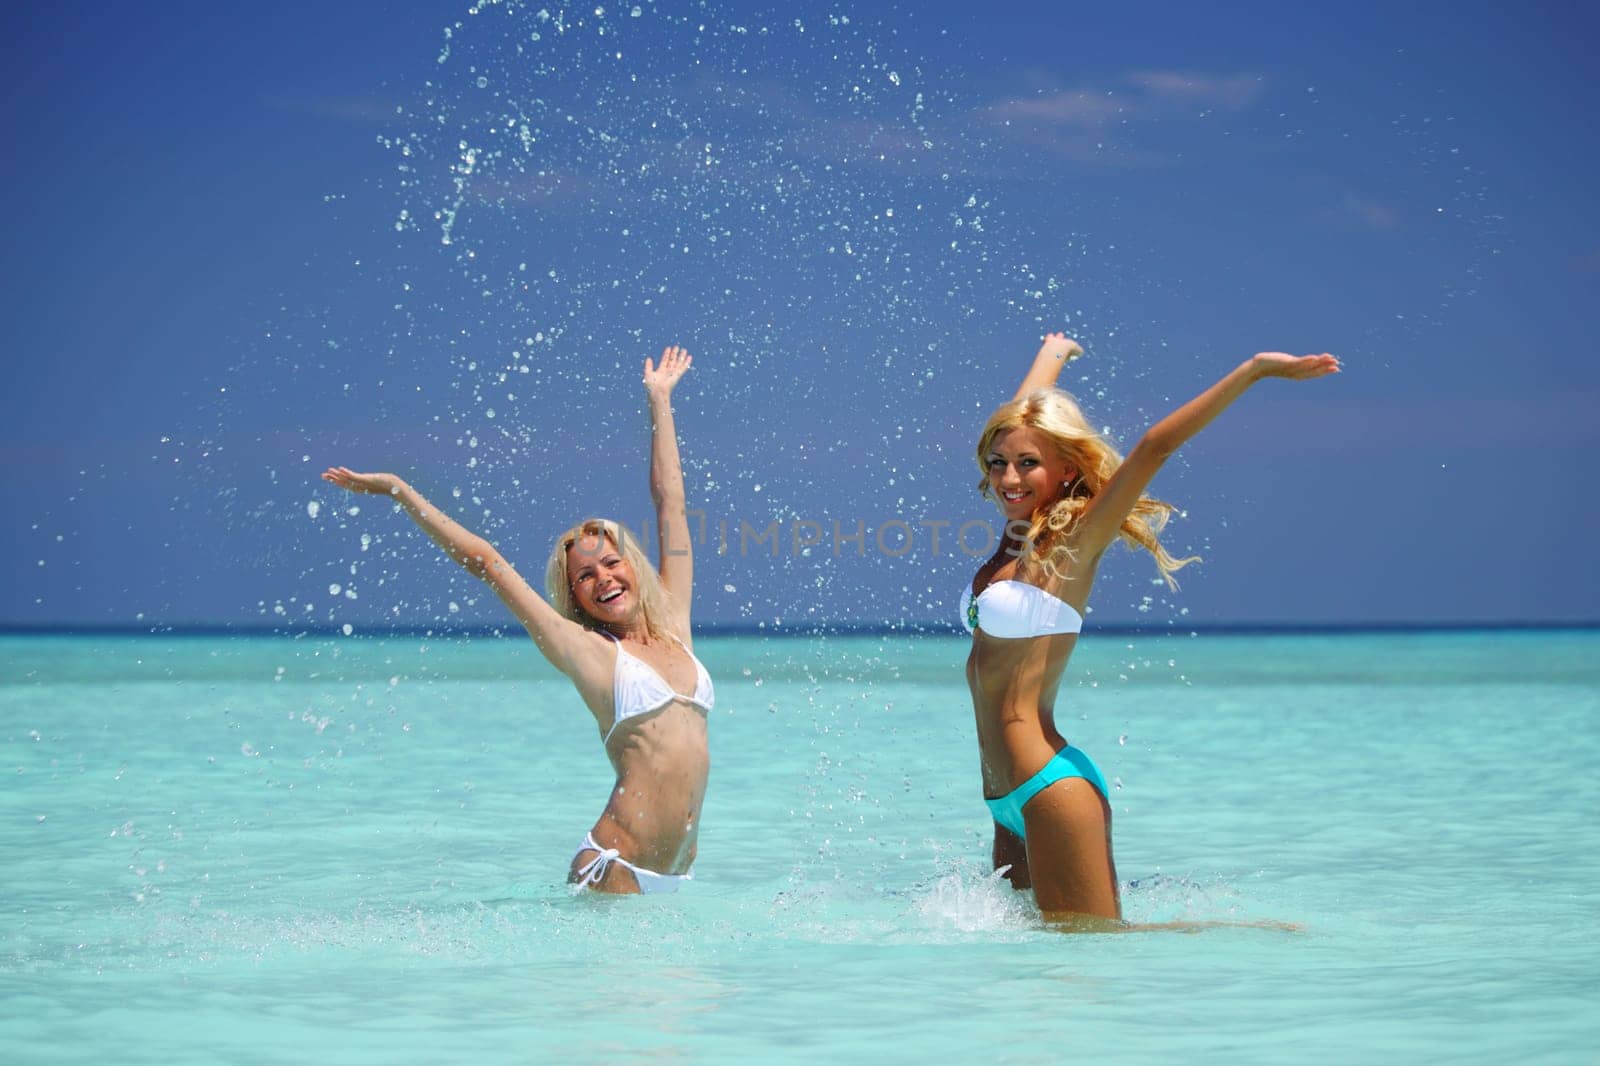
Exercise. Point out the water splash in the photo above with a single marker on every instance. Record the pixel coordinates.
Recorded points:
(810, 205)
(970, 899)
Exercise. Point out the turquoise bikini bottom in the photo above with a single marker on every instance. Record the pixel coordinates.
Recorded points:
(1068, 762)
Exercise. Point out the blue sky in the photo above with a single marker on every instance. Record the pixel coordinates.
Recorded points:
(249, 243)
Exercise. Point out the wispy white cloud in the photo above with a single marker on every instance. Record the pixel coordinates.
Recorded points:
(1086, 125)
(760, 132)
(1140, 95)
(1078, 107)
(1232, 91)
(1369, 213)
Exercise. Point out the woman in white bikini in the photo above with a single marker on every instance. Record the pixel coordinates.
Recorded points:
(620, 631)
(1066, 495)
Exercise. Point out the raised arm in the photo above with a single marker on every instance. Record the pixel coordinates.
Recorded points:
(562, 641)
(1056, 352)
(1103, 518)
(666, 484)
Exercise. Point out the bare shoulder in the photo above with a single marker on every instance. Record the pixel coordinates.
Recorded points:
(592, 668)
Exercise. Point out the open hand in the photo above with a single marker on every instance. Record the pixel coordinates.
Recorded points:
(1295, 368)
(345, 478)
(1058, 345)
(659, 380)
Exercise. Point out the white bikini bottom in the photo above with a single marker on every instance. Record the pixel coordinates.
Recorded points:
(649, 881)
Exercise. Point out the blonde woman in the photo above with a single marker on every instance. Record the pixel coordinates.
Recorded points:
(1066, 495)
(619, 629)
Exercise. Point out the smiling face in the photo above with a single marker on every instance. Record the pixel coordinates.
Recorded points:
(1025, 473)
(603, 582)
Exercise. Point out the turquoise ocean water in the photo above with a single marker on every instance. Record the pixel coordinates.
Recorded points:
(352, 850)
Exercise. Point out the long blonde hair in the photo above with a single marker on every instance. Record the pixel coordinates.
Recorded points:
(651, 593)
(1057, 415)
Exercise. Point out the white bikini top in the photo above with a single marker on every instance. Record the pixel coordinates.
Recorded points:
(1014, 609)
(637, 689)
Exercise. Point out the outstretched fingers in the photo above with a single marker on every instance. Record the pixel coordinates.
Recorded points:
(1314, 366)
(346, 478)
(675, 362)
(1298, 368)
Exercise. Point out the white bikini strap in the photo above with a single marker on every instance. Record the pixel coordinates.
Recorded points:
(595, 869)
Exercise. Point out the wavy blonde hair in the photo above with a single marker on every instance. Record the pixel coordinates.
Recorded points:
(652, 594)
(1057, 415)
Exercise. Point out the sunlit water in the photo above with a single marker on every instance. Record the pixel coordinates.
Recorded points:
(353, 850)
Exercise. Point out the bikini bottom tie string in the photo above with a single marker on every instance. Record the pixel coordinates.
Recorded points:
(595, 869)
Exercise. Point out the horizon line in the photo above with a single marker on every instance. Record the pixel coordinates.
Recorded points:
(808, 629)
